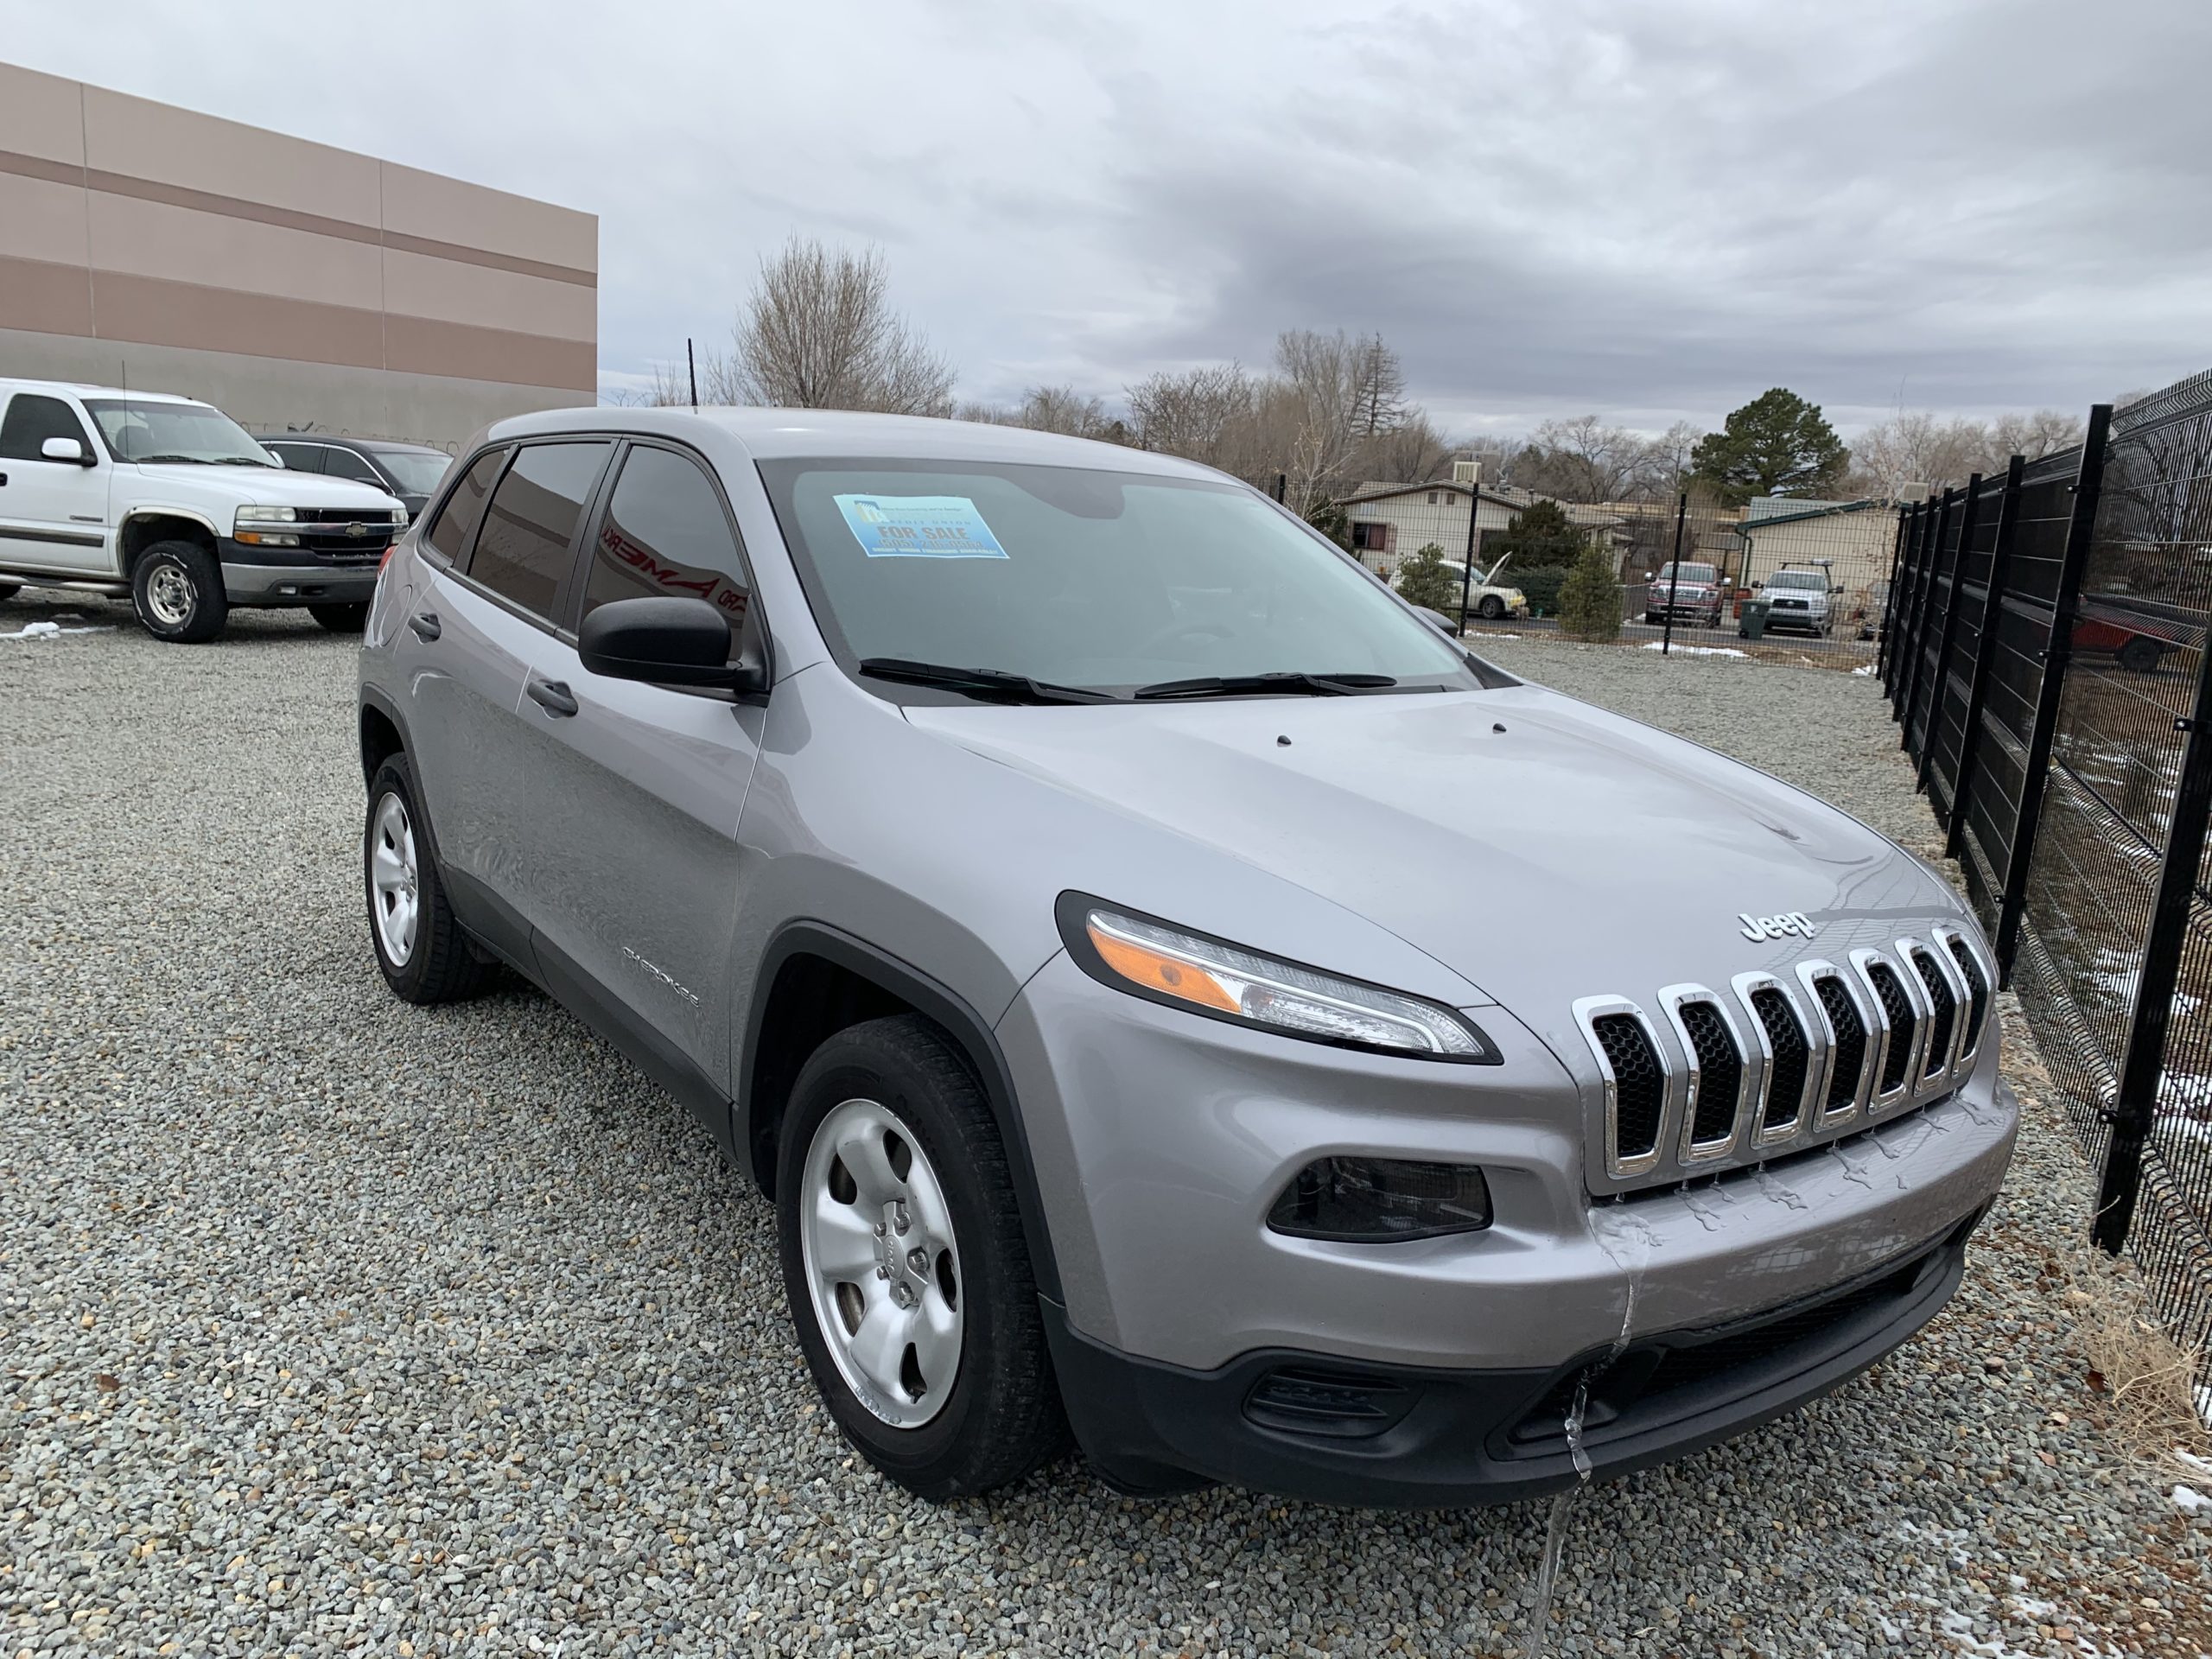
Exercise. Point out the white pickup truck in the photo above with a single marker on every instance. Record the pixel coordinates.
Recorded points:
(168, 502)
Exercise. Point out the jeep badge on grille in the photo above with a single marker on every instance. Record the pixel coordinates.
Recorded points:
(1790, 924)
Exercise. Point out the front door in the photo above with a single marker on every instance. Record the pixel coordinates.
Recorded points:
(53, 513)
(632, 799)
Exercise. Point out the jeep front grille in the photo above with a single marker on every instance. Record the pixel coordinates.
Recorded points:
(1782, 1061)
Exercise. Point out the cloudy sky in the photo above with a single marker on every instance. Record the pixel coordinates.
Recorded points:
(1647, 208)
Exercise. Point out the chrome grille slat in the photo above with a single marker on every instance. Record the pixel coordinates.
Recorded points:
(1790, 1053)
(1602, 1018)
(1975, 978)
(1946, 996)
(1719, 1080)
(1848, 1078)
(1896, 1013)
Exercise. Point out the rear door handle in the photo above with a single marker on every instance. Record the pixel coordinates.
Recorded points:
(425, 624)
(552, 697)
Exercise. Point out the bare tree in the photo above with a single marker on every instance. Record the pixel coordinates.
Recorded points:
(1667, 471)
(1411, 452)
(1379, 398)
(2045, 432)
(1913, 448)
(818, 331)
(1309, 413)
(1204, 414)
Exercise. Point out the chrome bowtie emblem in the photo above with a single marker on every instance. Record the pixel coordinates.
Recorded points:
(1790, 925)
(357, 530)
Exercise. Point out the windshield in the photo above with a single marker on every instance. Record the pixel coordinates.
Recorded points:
(151, 431)
(1798, 579)
(1688, 573)
(418, 471)
(1104, 581)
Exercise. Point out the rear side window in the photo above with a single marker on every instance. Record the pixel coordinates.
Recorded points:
(665, 533)
(450, 532)
(31, 420)
(298, 457)
(523, 551)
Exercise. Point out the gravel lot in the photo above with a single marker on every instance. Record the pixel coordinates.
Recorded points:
(330, 1324)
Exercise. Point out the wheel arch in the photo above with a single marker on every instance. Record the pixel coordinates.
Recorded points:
(142, 527)
(815, 980)
(383, 734)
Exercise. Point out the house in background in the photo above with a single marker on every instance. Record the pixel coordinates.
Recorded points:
(1856, 539)
(1392, 522)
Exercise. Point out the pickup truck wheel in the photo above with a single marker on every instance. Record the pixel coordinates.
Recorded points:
(177, 589)
(342, 618)
(421, 948)
(903, 1257)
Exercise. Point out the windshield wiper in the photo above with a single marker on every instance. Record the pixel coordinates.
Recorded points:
(239, 460)
(193, 460)
(1296, 683)
(978, 682)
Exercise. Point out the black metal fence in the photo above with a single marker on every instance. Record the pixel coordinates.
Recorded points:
(2045, 658)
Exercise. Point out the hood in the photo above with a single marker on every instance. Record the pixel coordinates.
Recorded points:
(264, 487)
(1544, 849)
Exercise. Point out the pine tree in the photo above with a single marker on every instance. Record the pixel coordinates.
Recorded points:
(1426, 580)
(1590, 599)
(1776, 444)
(1540, 534)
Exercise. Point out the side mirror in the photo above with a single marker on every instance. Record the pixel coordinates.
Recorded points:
(667, 641)
(1651, 575)
(1438, 620)
(67, 449)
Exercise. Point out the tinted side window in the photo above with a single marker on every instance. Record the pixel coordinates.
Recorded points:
(298, 457)
(522, 552)
(665, 533)
(464, 509)
(343, 463)
(31, 420)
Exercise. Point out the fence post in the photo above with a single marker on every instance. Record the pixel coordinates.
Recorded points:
(2136, 1108)
(2080, 531)
(1969, 513)
(1893, 624)
(1673, 578)
(1889, 597)
(1916, 578)
(1985, 652)
(1924, 600)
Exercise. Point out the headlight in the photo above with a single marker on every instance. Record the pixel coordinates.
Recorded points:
(1205, 976)
(266, 516)
(399, 518)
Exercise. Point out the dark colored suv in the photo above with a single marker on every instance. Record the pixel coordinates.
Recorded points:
(410, 471)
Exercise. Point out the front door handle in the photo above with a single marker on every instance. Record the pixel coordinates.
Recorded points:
(553, 697)
(426, 626)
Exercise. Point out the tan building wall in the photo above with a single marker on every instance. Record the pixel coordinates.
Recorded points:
(288, 282)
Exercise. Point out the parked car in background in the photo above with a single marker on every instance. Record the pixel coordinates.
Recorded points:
(1042, 866)
(1798, 598)
(166, 501)
(1486, 597)
(1691, 591)
(408, 471)
(1874, 614)
(2140, 642)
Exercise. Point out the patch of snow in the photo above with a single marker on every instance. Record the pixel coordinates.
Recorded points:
(1699, 651)
(1863, 673)
(2188, 1500)
(2042, 1612)
(47, 630)
(2202, 1466)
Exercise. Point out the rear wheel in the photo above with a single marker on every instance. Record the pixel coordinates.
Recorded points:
(342, 618)
(904, 1261)
(9, 590)
(421, 950)
(2140, 655)
(177, 589)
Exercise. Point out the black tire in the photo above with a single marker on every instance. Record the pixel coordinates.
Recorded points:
(177, 590)
(438, 967)
(1002, 1418)
(1651, 619)
(342, 618)
(1490, 608)
(9, 590)
(2140, 655)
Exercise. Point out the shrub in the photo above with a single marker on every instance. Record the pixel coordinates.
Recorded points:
(1425, 581)
(1538, 586)
(1590, 598)
(1541, 536)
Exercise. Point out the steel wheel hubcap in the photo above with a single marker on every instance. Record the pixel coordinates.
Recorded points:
(393, 899)
(882, 1266)
(169, 596)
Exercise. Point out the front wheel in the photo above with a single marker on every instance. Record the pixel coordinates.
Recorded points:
(342, 618)
(177, 589)
(1491, 608)
(2140, 655)
(9, 590)
(903, 1257)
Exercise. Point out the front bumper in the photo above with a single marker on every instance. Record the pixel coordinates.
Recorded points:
(1313, 1427)
(284, 575)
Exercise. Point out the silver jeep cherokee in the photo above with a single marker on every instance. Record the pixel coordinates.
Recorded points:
(1042, 866)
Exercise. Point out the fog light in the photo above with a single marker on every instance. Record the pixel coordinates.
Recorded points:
(1375, 1200)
